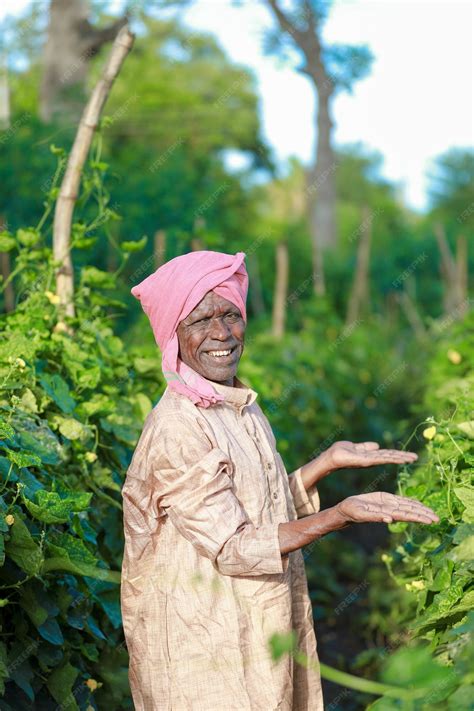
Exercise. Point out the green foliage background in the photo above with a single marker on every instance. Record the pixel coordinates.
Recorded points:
(72, 402)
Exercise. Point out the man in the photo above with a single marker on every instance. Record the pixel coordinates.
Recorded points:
(214, 525)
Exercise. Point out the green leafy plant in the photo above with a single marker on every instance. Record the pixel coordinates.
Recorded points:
(436, 564)
(72, 404)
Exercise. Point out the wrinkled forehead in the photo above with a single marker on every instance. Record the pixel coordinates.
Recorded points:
(211, 302)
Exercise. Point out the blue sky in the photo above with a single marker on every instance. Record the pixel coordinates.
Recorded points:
(417, 102)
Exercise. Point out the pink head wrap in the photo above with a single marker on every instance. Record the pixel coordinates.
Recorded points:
(170, 294)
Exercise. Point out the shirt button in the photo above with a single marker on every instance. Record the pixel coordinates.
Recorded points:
(275, 495)
(269, 465)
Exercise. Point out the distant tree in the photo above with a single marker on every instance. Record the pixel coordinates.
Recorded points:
(451, 189)
(330, 68)
(71, 43)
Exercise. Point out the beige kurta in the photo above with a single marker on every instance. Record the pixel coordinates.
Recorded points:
(204, 585)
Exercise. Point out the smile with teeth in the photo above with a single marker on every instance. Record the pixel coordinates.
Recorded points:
(220, 354)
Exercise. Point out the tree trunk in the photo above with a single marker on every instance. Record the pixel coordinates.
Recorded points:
(196, 244)
(359, 297)
(71, 43)
(70, 185)
(5, 267)
(454, 274)
(281, 289)
(412, 315)
(321, 190)
(462, 274)
(9, 296)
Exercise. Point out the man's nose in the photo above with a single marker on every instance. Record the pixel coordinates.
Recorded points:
(219, 329)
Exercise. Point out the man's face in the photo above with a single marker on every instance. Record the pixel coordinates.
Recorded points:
(215, 324)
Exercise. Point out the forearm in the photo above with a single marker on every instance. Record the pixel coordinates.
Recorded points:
(315, 470)
(297, 534)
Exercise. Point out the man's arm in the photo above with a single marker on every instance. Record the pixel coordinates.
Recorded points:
(376, 507)
(345, 455)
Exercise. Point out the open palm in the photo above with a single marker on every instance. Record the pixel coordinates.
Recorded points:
(345, 454)
(380, 506)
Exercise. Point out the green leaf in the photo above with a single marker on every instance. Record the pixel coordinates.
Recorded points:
(22, 549)
(7, 242)
(281, 644)
(39, 439)
(145, 365)
(135, 246)
(461, 699)
(6, 430)
(72, 429)
(466, 495)
(28, 401)
(23, 459)
(84, 242)
(464, 551)
(60, 684)
(142, 405)
(29, 237)
(463, 531)
(97, 403)
(57, 389)
(31, 606)
(50, 507)
(96, 277)
(467, 428)
(414, 668)
(102, 476)
(69, 427)
(69, 553)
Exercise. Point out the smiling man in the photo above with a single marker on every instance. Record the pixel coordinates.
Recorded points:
(214, 525)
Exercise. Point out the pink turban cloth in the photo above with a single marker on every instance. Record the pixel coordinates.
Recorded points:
(170, 294)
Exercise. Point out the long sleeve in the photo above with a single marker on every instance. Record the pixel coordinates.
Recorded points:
(306, 501)
(193, 482)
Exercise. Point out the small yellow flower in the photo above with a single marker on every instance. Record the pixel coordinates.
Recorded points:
(92, 684)
(52, 298)
(386, 558)
(60, 327)
(454, 356)
(20, 363)
(10, 519)
(90, 457)
(429, 432)
(415, 585)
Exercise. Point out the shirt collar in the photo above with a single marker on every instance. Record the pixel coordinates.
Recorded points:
(237, 396)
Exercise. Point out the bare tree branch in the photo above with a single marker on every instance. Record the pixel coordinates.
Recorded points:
(70, 184)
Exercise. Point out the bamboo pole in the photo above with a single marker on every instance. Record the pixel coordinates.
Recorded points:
(359, 297)
(70, 185)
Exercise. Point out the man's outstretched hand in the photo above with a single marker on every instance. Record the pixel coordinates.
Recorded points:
(345, 454)
(380, 506)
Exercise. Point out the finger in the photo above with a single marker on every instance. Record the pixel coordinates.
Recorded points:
(412, 517)
(393, 501)
(395, 453)
(367, 446)
(424, 510)
(385, 456)
(407, 501)
(415, 511)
